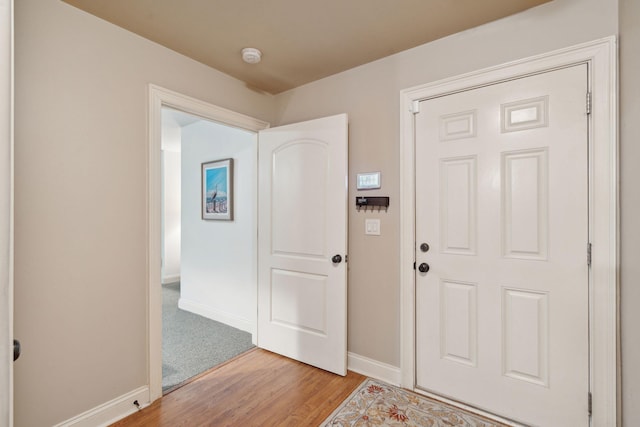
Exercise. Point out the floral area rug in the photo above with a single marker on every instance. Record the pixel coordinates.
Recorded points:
(378, 404)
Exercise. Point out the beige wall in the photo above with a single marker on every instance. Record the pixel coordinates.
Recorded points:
(370, 95)
(81, 136)
(630, 205)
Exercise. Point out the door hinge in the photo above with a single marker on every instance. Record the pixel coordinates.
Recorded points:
(590, 404)
(588, 103)
(589, 254)
(415, 107)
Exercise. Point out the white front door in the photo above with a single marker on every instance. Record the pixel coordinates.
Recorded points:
(302, 242)
(501, 201)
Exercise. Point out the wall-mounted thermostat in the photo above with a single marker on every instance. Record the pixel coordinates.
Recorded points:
(368, 181)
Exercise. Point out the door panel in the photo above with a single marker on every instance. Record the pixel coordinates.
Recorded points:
(458, 205)
(303, 224)
(501, 198)
(291, 162)
(525, 204)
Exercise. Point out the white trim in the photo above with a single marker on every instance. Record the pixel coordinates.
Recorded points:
(158, 98)
(187, 104)
(6, 206)
(374, 369)
(110, 412)
(601, 55)
(170, 279)
(217, 315)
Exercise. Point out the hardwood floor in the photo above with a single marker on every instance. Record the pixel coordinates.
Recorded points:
(258, 388)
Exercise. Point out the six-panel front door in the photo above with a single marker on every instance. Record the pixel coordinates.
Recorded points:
(302, 242)
(502, 202)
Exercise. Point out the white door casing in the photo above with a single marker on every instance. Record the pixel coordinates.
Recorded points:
(6, 212)
(160, 97)
(501, 198)
(303, 224)
(600, 57)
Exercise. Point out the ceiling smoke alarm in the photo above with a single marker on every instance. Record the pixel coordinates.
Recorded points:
(251, 55)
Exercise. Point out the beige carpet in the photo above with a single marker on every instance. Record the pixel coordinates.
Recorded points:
(375, 403)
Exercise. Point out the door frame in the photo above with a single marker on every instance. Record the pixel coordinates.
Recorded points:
(160, 97)
(601, 58)
(6, 214)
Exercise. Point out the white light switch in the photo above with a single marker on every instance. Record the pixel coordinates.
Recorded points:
(372, 227)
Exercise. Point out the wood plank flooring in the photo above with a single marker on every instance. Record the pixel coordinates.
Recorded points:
(258, 388)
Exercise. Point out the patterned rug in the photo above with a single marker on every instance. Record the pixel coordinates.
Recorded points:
(378, 404)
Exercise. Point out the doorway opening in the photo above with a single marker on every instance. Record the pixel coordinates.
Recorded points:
(194, 300)
(207, 294)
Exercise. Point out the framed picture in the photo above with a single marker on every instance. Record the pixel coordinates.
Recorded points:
(217, 189)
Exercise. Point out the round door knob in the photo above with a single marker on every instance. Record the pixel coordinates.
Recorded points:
(424, 267)
(424, 247)
(337, 259)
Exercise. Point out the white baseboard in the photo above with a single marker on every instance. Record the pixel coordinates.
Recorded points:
(217, 315)
(374, 369)
(170, 279)
(110, 412)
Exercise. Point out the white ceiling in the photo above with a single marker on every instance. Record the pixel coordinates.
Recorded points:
(178, 118)
(301, 40)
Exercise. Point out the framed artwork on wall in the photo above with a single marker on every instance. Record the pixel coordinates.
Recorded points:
(217, 189)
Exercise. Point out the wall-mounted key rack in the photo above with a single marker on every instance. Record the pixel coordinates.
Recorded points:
(379, 202)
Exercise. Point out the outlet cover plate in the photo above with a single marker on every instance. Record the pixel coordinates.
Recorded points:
(372, 227)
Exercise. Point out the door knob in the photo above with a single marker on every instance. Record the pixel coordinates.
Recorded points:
(424, 267)
(16, 350)
(337, 259)
(424, 247)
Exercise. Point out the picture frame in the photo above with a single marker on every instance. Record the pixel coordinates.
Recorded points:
(217, 190)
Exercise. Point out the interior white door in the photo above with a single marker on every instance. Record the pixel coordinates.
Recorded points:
(502, 202)
(302, 242)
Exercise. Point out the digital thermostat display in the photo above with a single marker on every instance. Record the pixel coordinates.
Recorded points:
(368, 181)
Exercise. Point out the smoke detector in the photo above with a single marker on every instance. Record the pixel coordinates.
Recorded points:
(251, 55)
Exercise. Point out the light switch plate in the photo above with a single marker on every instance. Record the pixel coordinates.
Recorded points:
(372, 227)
